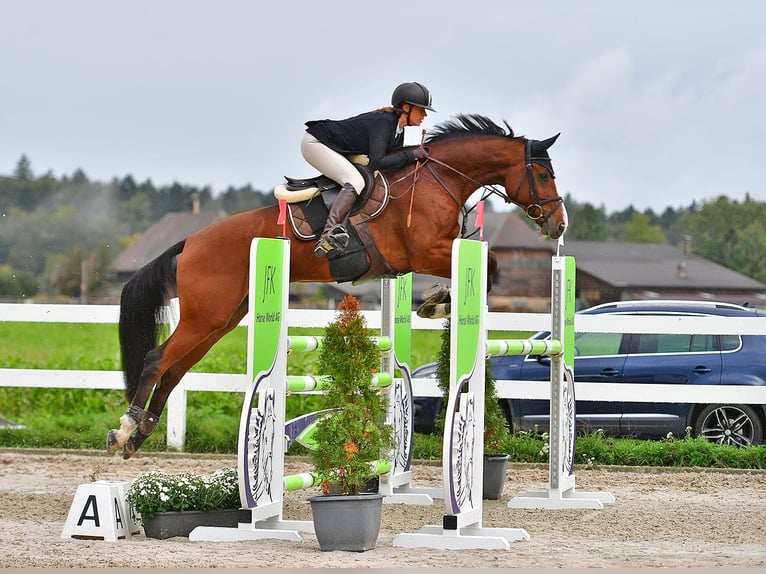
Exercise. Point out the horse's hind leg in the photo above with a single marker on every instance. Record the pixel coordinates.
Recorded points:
(135, 415)
(170, 378)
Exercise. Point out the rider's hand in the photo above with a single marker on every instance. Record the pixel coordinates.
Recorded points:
(420, 153)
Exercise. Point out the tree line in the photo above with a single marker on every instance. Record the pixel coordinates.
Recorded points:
(59, 234)
(52, 228)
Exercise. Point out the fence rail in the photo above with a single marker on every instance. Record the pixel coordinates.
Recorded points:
(222, 382)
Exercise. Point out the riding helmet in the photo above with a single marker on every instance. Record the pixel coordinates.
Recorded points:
(412, 93)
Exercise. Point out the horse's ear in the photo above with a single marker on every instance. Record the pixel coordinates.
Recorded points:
(550, 141)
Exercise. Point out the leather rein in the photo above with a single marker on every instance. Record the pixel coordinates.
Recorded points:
(533, 211)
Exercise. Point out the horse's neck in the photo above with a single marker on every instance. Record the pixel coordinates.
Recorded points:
(473, 164)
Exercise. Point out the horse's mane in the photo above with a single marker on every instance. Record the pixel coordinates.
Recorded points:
(464, 125)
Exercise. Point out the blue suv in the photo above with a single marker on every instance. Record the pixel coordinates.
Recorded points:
(642, 358)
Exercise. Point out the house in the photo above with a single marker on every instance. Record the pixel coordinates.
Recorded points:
(166, 232)
(622, 271)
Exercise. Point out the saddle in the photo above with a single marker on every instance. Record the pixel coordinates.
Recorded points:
(308, 204)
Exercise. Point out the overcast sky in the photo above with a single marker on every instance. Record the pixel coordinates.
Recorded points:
(659, 103)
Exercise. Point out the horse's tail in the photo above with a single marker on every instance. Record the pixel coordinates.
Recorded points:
(143, 297)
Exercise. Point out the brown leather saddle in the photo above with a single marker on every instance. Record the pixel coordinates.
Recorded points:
(308, 204)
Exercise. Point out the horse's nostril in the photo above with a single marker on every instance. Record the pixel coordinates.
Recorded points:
(562, 227)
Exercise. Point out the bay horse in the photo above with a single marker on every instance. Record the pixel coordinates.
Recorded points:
(208, 271)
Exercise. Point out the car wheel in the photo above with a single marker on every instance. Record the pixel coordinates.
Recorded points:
(736, 425)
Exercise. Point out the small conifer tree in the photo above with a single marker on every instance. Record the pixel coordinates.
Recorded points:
(353, 434)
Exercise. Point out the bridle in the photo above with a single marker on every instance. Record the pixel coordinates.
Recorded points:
(533, 211)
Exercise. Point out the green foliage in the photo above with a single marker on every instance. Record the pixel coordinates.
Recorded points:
(353, 434)
(731, 233)
(427, 447)
(46, 221)
(157, 491)
(640, 230)
(594, 450)
(17, 283)
(496, 429)
(586, 223)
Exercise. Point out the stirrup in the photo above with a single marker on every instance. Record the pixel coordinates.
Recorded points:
(338, 235)
(336, 238)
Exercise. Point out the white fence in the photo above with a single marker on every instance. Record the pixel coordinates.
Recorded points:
(585, 391)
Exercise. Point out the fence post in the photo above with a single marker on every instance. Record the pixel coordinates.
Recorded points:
(176, 405)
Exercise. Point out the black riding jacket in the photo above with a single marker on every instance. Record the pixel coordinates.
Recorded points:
(370, 133)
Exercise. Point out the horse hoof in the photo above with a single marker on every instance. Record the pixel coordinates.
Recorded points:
(112, 446)
(434, 310)
(425, 310)
(128, 450)
(438, 293)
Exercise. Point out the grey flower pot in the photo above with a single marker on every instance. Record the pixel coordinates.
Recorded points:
(494, 475)
(349, 523)
(169, 524)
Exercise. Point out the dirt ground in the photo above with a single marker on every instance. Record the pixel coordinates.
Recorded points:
(661, 518)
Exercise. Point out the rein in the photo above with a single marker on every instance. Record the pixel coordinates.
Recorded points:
(534, 211)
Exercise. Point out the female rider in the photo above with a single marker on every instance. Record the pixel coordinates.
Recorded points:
(379, 135)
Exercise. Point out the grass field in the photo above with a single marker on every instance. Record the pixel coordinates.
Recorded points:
(80, 418)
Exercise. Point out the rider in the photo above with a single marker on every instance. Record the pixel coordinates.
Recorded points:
(378, 134)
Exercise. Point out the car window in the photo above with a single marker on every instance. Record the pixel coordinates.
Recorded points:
(593, 344)
(703, 343)
(730, 342)
(667, 343)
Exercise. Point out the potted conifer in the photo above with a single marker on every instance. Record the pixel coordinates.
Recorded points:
(496, 430)
(351, 437)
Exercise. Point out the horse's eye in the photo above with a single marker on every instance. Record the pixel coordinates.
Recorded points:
(544, 176)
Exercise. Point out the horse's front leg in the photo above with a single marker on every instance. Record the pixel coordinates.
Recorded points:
(436, 302)
(437, 298)
(492, 269)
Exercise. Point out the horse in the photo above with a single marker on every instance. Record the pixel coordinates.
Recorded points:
(208, 271)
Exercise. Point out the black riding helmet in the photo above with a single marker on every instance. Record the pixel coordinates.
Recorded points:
(412, 93)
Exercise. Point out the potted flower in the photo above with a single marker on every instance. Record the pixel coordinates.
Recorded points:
(496, 430)
(351, 437)
(174, 504)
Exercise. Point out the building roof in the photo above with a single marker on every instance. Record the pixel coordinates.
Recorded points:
(166, 232)
(515, 233)
(509, 230)
(654, 266)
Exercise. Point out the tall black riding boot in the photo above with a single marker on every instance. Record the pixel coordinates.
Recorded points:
(334, 235)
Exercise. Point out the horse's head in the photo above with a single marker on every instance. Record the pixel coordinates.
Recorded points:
(535, 190)
(521, 165)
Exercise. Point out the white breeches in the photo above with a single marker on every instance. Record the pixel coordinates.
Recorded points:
(330, 163)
